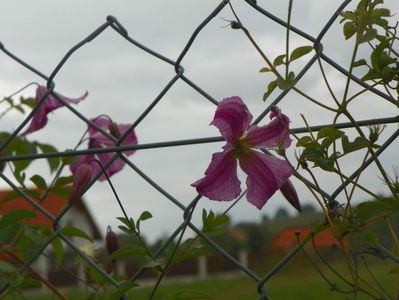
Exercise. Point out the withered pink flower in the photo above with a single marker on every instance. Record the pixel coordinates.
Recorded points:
(82, 177)
(39, 120)
(265, 173)
(98, 140)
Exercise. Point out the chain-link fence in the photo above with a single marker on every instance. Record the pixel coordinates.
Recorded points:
(118, 149)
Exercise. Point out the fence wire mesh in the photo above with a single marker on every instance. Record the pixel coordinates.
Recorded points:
(118, 149)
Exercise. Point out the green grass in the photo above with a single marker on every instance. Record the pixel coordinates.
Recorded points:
(297, 280)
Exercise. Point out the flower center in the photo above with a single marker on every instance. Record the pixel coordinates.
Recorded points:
(241, 147)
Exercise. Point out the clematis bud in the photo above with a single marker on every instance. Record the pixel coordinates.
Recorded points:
(82, 177)
(114, 130)
(289, 192)
(111, 241)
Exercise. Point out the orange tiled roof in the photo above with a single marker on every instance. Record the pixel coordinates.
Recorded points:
(287, 239)
(52, 203)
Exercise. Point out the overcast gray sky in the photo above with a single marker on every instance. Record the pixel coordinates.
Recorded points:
(122, 81)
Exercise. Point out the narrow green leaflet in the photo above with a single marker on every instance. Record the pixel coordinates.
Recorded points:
(39, 182)
(54, 162)
(270, 88)
(128, 251)
(121, 290)
(299, 52)
(16, 216)
(71, 231)
(279, 60)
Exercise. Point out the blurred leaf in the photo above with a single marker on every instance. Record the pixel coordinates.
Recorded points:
(39, 182)
(61, 191)
(58, 250)
(186, 295)
(129, 223)
(303, 141)
(16, 216)
(145, 215)
(358, 63)
(6, 267)
(61, 181)
(279, 60)
(329, 135)
(148, 262)
(265, 70)
(358, 143)
(287, 83)
(349, 30)
(71, 231)
(270, 88)
(121, 290)
(128, 250)
(53, 162)
(299, 52)
(29, 282)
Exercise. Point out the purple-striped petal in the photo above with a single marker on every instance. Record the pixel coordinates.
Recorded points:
(39, 120)
(266, 174)
(274, 134)
(232, 118)
(220, 182)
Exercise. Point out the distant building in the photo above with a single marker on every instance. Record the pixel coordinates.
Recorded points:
(77, 216)
(288, 239)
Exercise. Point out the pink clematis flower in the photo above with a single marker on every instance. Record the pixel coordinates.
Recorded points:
(98, 140)
(265, 173)
(39, 120)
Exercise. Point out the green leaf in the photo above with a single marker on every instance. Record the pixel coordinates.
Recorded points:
(39, 182)
(279, 60)
(145, 215)
(29, 282)
(299, 52)
(148, 262)
(121, 290)
(359, 143)
(21, 147)
(129, 223)
(329, 135)
(128, 250)
(62, 181)
(265, 70)
(71, 231)
(270, 88)
(15, 216)
(349, 30)
(6, 267)
(189, 295)
(286, 84)
(381, 12)
(358, 63)
(303, 141)
(61, 191)
(53, 162)
(58, 249)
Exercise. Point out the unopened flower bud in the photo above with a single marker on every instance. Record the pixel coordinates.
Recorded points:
(114, 130)
(82, 177)
(111, 241)
(289, 192)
